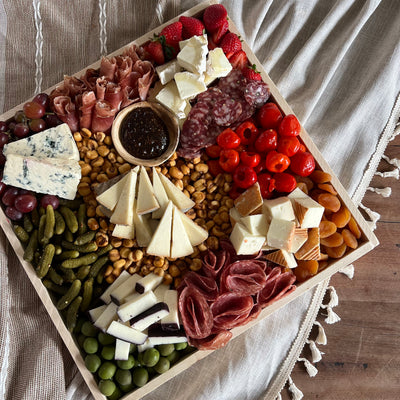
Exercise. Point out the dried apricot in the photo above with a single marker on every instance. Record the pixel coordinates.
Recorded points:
(310, 265)
(355, 230)
(341, 218)
(328, 188)
(305, 179)
(336, 252)
(334, 240)
(349, 239)
(329, 201)
(326, 228)
(319, 176)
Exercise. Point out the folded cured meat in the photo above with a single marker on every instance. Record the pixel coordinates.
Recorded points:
(66, 111)
(212, 342)
(206, 285)
(103, 116)
(88, 100)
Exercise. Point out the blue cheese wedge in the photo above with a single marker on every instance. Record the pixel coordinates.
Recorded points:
(126, 333)
(146, 199)
(55, 176)
(189, 84)
(56, 142)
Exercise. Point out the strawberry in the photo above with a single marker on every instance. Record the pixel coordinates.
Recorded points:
(251, 73)
(155, 51)
(220, 32)
(191, 27)
(230, 44)
(170, 37)
(239, 60)
(214, 17)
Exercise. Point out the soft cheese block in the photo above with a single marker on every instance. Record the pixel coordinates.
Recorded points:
(280, 234)
(55, 142)
(218, 66)
(189, 84)
(59, 177)
(280, 208)
(244, 241)
(193, 55)
(167, 71)
(169, 97)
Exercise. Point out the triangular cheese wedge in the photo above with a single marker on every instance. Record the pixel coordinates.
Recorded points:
(180, 243)
(282, 257)
(176, 195)
(146, 199)
(125, 231)
(160, 244)
(123, 213)
(161, 195)
(143, 229)
(109, 198)
(195, 232)
(311, 248)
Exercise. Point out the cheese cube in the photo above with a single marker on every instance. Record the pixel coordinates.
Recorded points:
(167, 71)
(280, 208)
(146, 199)
(170, 98)
(280, 234)
(218, 65)
(189, 84)
(299, 238)
(256, 224)
(307, 211)
(250, 201)
(245, 242)
(193, 55)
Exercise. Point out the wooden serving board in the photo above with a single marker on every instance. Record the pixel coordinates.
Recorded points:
(367, 242)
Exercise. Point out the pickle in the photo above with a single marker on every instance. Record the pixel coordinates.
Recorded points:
(72, 313)
(58, 249)
(72, 292)
(85, 238)
(28, 226)
(54, 288)
(50, 222)
(68, 275)
(21, 234)
(87, 294)
(104, 250)
(84, 248)
(83, 272)
(70, 218)
(96, 267)
(87, 259)
(55, 276)
(68, 235)
(82, 226)
(35, 217)
(71, 204)
(67, 254)
(59, 227)
(30, 249)
(45, 260)
(42, 222)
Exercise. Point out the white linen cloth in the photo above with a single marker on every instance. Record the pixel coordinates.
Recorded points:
(335, 62)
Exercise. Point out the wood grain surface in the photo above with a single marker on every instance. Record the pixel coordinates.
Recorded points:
(362, 356)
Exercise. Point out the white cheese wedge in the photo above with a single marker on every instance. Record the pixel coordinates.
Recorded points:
(176, 195)
(256, 224)
(196, 233)
(160, 244)
(180, 242)
(146, 200)
(169, 97)
(280, 208)
(299, 238)
(107, 316)
(189, 84)
(167, 71)
(95, 313)
(161, 196)
(55, 176)
(124, 231)
(245, 242)
(171, 321)
(308, 212)
(127, 288)
(148, 282)
(150, 316)
(56, 142)
(193, 55)
(105, 297)
(123, 213)
(122, 349)
(280, 234)
(218, 65)
(109, 198)
(282, 257)
(136, 304)
(126, 333)
(143, 229)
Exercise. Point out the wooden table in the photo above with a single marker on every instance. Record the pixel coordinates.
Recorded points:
(362, 356)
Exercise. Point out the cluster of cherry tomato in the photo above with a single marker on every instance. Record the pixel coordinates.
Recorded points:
(264, 149)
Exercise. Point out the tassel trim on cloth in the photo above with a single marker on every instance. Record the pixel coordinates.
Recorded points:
(297, 394)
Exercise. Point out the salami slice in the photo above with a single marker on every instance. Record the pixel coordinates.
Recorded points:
(196, 314)
(232, 82)
(206, 285)
(213, 342)
(214, 262)
(256, 93)
(226, 111)
(231, 310)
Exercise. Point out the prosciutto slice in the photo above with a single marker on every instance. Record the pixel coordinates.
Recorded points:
(147, 73)
(108, 67)
(124, 70)
(103, 116)
(213, 342)
(101, 86)
(114, 95)
(88, 100)
(206, 285)
(65, 110)
(90, 77)
(75, 86)
(134, 52)
(196, 314)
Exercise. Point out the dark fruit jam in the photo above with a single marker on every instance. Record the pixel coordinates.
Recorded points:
(144, 134)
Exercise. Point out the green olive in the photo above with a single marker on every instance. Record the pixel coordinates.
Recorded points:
(127, 364)
(107, 387)
(151, 357)
(166, 349)
(140, 376)
(162, 365)
(107, 370)
(92, 362)
(90, 345)
(123, 377)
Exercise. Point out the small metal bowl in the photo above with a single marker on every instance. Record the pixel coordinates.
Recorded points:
(170, 120)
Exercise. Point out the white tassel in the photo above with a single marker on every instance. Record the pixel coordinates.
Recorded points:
(321, 338)
(279, 397)
(316, 354)
(394, 161)
(348, 270)
(311, 369)
(334, 299)
(374, 216)
(394, 173)
(297, 394)
(332, 317)
(384, 192)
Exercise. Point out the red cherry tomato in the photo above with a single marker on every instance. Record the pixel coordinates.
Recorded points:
(244, 176)
(260, 167)
(213, 151)
(228, 139)
(266, 141)
(269, 116)
(267, 185)
(250, 159)
(290, 126)
(214, 168)
(302, 163)
(276, 162)
(247, 132)
(284, 182)
(302, 148)
(229, 159)
(288, 145)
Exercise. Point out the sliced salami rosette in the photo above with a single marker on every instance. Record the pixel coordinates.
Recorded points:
(212, 342)
(206, 285)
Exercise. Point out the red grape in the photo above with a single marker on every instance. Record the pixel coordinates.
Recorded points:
(25, 203)
(49, 199)
(13, 213)
(9, 196)
(34, 110)
(3, 188)
(3, 139)
(20, 117)
(52, 120)
(21, 130)
(42, 99)
(11, 126)
(3, 126)
(37, 125)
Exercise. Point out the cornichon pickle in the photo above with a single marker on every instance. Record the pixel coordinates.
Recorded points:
(82, 226)
(28, 226)
(72, 313)
(104, 250)
(96, 267)
(83, 272)
(70, 218)
(35, 217)
(54, 288)
(59, 227)
(87, 259)
(72, 292)
(50, 222)
(45, 260)
(68, 235)
(85, 238)
(42, 222)
(87, 294)
(68, 275)
(55, 276)
(71, 204)
(67, 254)
(83, 248)
(21, 233)
(31, 247)
(58, 249)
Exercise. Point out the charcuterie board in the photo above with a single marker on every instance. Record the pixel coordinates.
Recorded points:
(242, 219)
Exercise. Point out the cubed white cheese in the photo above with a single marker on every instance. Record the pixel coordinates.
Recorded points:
(218, 65)
(193, 55)
(256, 224)
(146, 199)
(167, 71)
(280, 233)
(299, 238)
(245, 242)
(308, 212)
(234, 216)
(280, 208)
(170, 98)
(189, 84)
